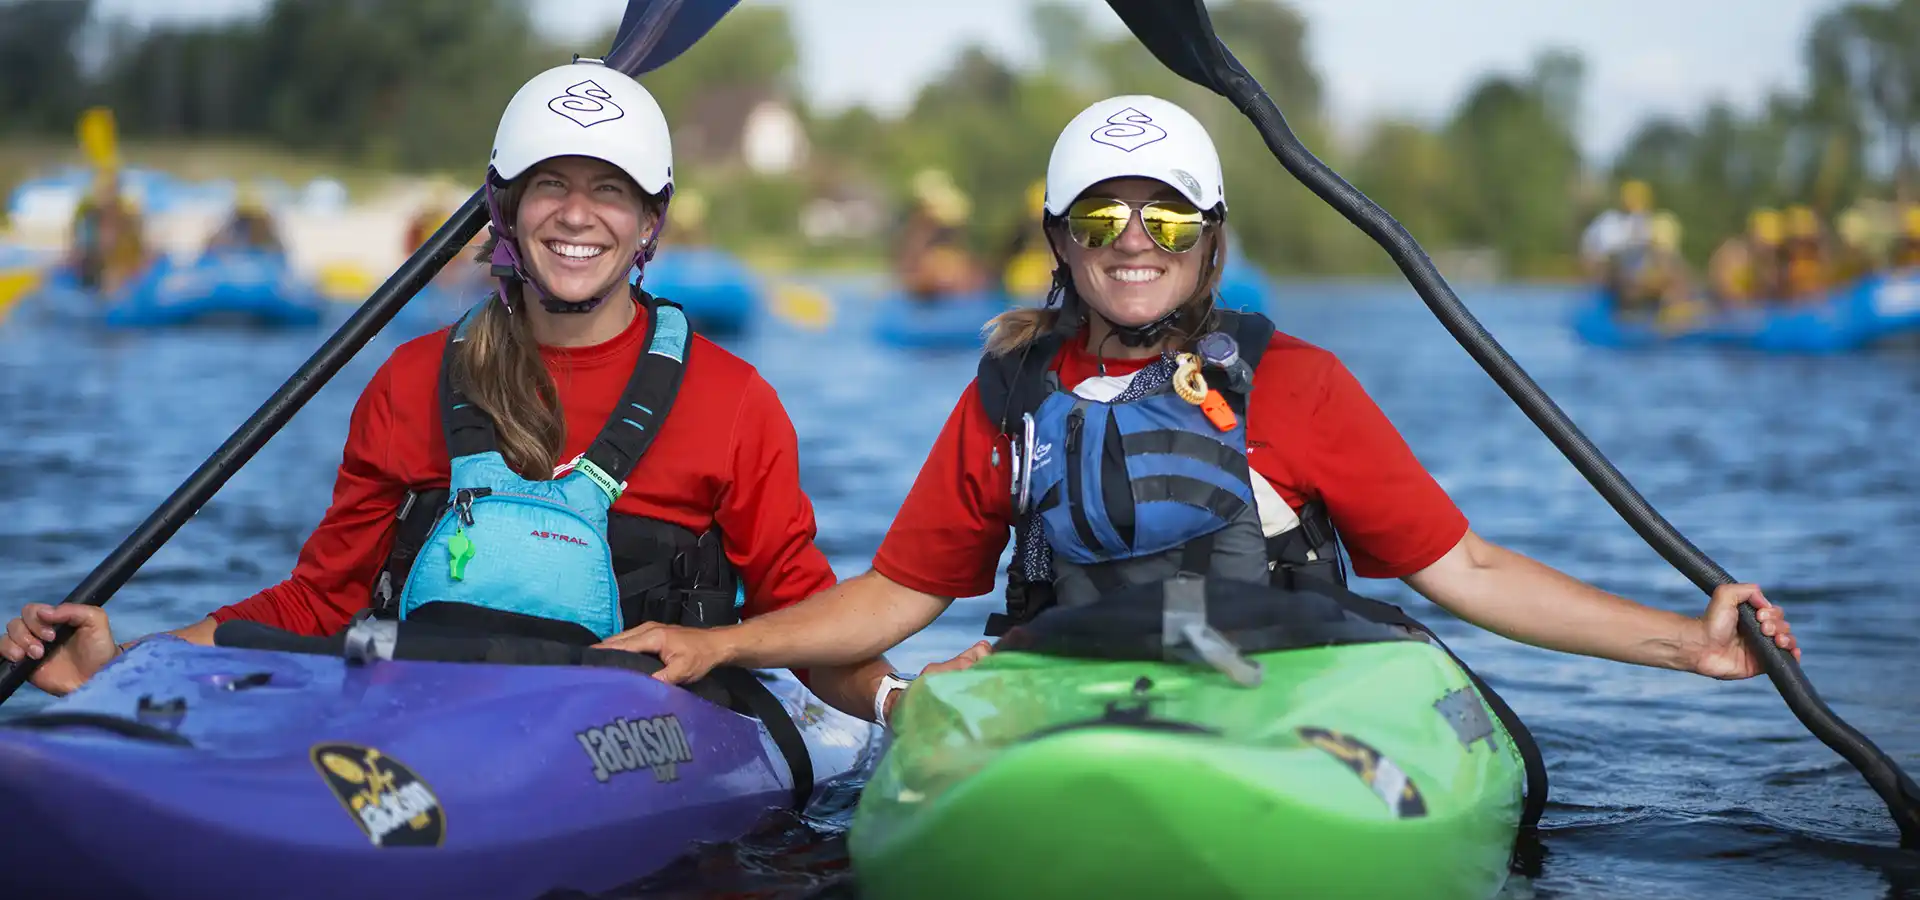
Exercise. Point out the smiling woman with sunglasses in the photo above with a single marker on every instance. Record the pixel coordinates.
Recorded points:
(1129, 432)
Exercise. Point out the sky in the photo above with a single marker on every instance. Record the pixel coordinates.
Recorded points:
(1411, 58)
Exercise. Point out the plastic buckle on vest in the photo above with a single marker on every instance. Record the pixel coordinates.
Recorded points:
(594, 473)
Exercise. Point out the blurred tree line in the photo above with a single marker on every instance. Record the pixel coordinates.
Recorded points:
(418, 85)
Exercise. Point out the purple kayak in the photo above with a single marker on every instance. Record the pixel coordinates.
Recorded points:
(358, 768)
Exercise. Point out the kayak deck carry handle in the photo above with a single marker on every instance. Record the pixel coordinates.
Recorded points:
(121, 726)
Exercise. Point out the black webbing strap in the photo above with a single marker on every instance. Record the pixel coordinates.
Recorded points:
(628, 433)
(468, 428)
(763, 705)
(649, 394)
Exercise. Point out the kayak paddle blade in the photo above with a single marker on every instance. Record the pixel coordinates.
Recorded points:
(1181, 36)
(654, 32)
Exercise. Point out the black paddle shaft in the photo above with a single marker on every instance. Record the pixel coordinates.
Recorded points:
(1181, 35)
(186, 500)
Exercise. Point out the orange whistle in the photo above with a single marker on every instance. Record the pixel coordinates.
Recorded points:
(1221, 415)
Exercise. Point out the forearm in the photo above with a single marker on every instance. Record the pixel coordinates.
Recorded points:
(848, 624)
(850, 689)
(200, 632)
(1527, 601)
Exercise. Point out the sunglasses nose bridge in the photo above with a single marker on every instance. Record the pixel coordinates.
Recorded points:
(1134, 233)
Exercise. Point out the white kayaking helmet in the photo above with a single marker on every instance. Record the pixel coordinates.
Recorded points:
(580, 109)
(1135, 136)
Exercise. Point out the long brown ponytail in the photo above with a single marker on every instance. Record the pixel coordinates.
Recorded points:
(1016, 328)
(499, 368)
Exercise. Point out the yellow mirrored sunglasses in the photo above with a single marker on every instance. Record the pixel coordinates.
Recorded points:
(1175, 225)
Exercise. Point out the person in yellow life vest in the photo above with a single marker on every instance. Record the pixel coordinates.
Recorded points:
(1744, 269)
(250, 228)
(1804, 257)
(1853, 258)
(1905, 253)
(109, 243)
(1655, 277)
(1027, 264)
(932, 260)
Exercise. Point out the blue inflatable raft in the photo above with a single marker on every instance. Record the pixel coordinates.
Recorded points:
(256, 289)
(949, 323)
(1852, 317)
(720, 294)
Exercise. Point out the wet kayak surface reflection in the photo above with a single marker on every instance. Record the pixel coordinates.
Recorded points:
(1795, 473)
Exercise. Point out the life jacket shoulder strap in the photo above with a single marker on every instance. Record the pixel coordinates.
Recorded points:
(1015, 384)
(628, 433)
(650, 391)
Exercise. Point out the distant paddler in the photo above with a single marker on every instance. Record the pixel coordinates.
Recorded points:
(108, 245)
(1804, 256)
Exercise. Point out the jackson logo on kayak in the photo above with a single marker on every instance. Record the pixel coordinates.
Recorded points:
(392, 806)
(1388, 782)
(657, 744)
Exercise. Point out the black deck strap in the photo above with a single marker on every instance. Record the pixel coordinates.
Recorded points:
(760, 703)
(1537, 783)
(1129, 623)
(427, 642)
(124, 727)
(469, 429)
(650, 391)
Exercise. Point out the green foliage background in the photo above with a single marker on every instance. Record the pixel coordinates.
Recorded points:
(416, 85)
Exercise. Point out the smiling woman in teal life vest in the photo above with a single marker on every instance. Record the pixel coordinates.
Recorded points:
(1282, 464)
(567, 461)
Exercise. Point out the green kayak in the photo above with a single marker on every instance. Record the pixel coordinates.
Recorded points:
(1362, 762)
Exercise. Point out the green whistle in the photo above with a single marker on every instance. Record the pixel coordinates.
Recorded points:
(460, 550)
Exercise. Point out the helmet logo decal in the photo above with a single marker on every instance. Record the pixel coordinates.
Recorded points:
(1187, 180)
(1129, 130)
(587, 103)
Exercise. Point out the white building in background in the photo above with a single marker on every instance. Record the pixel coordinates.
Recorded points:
(772, 142)
(751, 127)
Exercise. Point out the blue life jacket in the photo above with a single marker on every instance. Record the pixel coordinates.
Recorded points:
(1137, 491)
(501, 544)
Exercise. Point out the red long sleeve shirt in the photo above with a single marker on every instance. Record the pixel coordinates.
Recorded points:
(1312, 432)
(726, 455)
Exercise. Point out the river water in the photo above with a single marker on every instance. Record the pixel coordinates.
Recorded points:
(1800, 474)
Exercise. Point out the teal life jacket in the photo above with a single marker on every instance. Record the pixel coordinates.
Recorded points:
(500, 551)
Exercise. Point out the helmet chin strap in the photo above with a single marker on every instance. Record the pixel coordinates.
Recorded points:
(1144, 335)
(509, 270)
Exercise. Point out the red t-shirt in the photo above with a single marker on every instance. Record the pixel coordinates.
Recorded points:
(725, 455)
(1312, 431)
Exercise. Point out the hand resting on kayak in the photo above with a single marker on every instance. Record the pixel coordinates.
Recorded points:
(90, 648)
(1492, 587)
